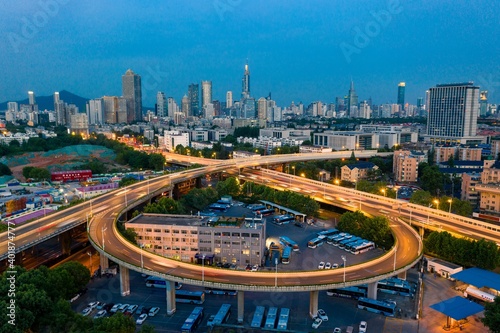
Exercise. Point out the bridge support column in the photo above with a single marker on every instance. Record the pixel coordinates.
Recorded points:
(103, 262)
(372, 290)
(124, 281)
(65, 241)
(421, 232)
(170, 295)
(241, 306)
(402, 275)
(313, 302)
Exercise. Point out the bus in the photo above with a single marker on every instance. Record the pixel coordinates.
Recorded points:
(285, 256)
(354, 292)
(337, 241)
(314, 243)
(258, 316)
(156, 282)
(362, 248)
(395, 286)
(191, 297)
(272, 316)
(223, 315)
(283, 219)
(283, 318)
(288, 242)
(256, 207)
(264, 212)
(342, 244)
(380, 307)
(216, 291)
(329, 232)
(193, 320)
(332, 239)
(217, 207)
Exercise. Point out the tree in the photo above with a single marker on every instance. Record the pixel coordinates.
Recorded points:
(75, 277)
(165, 206)
(5, 170)
(432, 180)
(492, 315)
(117, 323)
(230, 187)
(420, 197)
(156, 161)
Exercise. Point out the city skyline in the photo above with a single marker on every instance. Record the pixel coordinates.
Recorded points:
(299, 52)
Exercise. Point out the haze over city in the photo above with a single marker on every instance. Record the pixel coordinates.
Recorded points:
(298, 51)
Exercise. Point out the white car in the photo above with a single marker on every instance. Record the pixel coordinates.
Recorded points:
(100, 314)
(123, 307)
(132, 308)
(153, 311)
(141, 318)
(115, 307)
(93, 305)
(328, 265)
(255, 268)
(86, 311)
(337, 330)
(335, 265)
(322, 315)
(362, 327)
(317, 322)
(321, 265)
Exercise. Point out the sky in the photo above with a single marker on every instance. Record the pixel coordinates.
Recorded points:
(298, 50)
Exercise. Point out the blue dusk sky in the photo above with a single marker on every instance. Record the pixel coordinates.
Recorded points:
(298, 50)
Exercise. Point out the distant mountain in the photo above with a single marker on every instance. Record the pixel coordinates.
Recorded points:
(47, 102)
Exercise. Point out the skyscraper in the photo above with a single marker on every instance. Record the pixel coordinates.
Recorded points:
(452, 111)
(352, 101)
(95, 111)
(401, 95)
(245, 83)
(262, 108)
(206, 93)
(31, 98)
(483, 103)
(161, 105)
(229, 99)
(186, 107)
(132, 92)
(194, 100)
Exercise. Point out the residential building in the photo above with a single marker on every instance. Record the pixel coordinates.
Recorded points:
(469, 153)
(132, 92)
(206, 93)
(174, 138)
(405, 165)
(442, 153)
(161, 105)
(354, 172)
(469, 192)
(348, 140)
(95, 111)
(229, 99)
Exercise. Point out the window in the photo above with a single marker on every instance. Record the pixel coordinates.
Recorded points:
(226, 234)
(255, 235)
(175, 231)
(158, 238)
(184, 232)
(157, 230)
(245, 234)
(194, 232)
(167, 231)
(148, 230)
(217, 234)
(236, 234)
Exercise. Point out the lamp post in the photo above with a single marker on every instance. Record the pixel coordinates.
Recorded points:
(276, 275)
(90, 261)
(103, 229)
(384, 191)
(344, 260)
(203, 269)
(450, 201)
(142, 261)
(437, 203)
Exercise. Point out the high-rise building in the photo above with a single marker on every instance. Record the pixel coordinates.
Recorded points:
(401, 95)
(483, 103)
(453, 110)
(13, 107)
(31, 98)
(115, 109)
(194, 100)
(245, 83)
(186, 107)
(229, 99)
(206, 93)
(161, 105)
(95, 111)
(262, 108)
(172, 107)
(365, 110)
(352, 101)
(132, 92)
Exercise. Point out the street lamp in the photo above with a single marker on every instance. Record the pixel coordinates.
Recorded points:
(450, 201)
(276, 276)
(344, 260)
(384, 191)
(293, 167)
(437, 204)
(90, 261)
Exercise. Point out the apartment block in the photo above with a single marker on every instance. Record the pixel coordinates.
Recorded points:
(354, 172)
(405, 165)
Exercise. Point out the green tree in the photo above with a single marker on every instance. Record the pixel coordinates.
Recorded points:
(5, 170)
(230, 186)
(492, 315)
(126, 181)
(432, 180)
(117, 323)
(156, 161)
(420, 197)
(76, 277)
(165, 206)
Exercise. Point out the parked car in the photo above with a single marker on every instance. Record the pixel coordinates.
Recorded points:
(141, 319)
(335, 265)
(123, 307)
(132, 308)
(321, 265)
(115, 307)
(86, 311)
(100, 306)
(100, 314)
(93, 305)
(337, 330)
(154, 311)
(255, 268)
(108, 307)
(322, 315)
(328, 265)
(139, 310)
(317, 322)
(362, 327)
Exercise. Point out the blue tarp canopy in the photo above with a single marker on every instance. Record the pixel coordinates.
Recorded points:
(479, 277)
(457, 307)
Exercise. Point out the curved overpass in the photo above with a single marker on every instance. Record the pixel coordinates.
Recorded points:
(106, 239)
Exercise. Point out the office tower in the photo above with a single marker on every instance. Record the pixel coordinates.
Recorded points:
(186, 107)
(217, 107)
(132, 92)
(262, 108)
(427, 100)
(248, 110)
(13, 107)
(352, 101)
(483, 103)
(401, 95)
(209, 111)
(161, 105)
(56, 97)
(206, 93)
(194, 100)
(453, 110)
(115, 109)
(229, 99)
(339, 104)
(172, 107)
(365, 110)
(245, 83)
(31, 98)
(95, 111)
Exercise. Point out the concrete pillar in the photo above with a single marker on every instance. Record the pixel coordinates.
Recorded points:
(241, 306)
(104, 262)
(402, 275)
(65, 241)
(372, 290)
(170, 295)
(421, 232)
(313, 302)
(124, 281)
